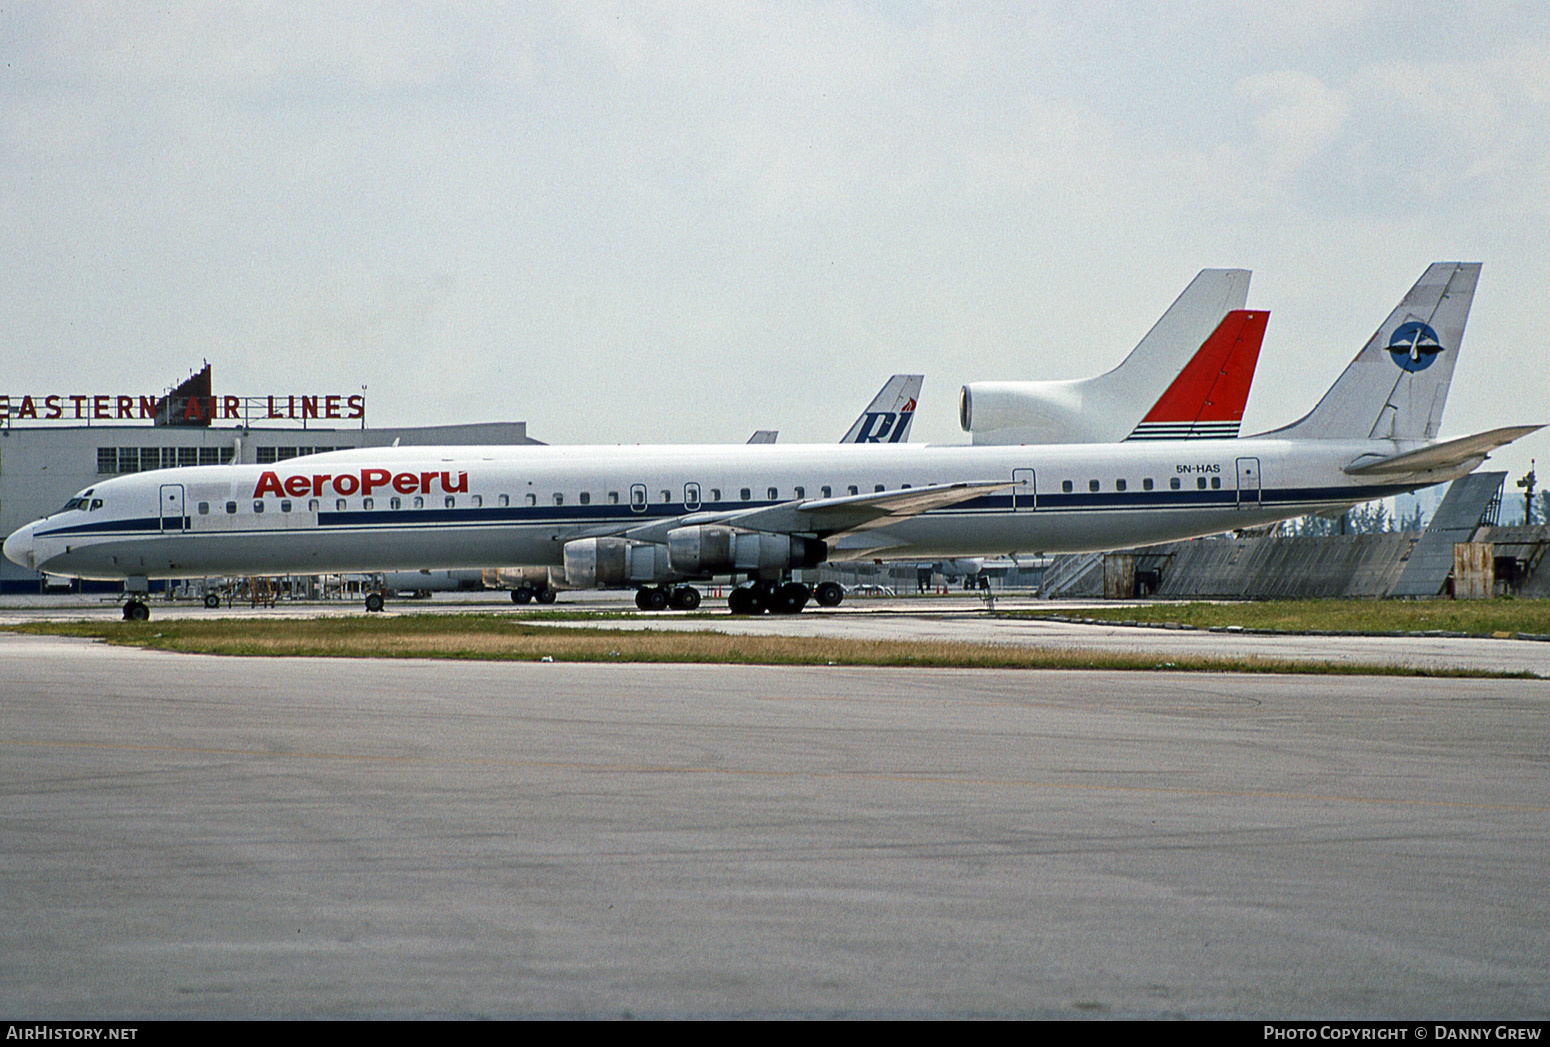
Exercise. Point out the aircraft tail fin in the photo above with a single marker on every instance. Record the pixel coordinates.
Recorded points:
(1106, 407)
(889, 416)
(1207, 398)
(1179, 332)
(1396, 387)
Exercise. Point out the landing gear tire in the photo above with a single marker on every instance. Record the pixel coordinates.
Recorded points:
(212, 600)
(743, 600)
(789, 598)
(135, 611)
(546, 595)
(651, 599)
(684, 598)
(521, 595)
(829, 594)
(374, 602)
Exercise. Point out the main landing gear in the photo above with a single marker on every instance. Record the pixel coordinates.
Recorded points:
(761, 597)
(756, 597)
(662, 597)
(526, 594)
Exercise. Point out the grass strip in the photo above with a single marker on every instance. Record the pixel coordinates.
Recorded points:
(487, 637)
(1497, 617)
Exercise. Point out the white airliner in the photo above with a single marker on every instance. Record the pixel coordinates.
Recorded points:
(887, 419)
(1204, 348)
(660, 517)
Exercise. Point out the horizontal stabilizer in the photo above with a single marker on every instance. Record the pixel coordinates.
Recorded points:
(1443, 456)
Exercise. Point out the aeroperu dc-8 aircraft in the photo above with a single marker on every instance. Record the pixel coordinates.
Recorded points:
(661, 517)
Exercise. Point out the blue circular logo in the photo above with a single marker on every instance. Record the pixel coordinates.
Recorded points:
(1414, 346)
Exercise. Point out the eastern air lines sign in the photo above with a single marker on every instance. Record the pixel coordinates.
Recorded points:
(180, 410)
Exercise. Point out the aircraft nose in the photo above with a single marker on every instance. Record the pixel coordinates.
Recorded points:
(18, 548)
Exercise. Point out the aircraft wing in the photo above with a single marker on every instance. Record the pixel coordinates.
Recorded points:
(858, 512)
(1441, 456)
(827, 517)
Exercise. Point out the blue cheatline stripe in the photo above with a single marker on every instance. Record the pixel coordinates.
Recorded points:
(1288, 499)
(133, 526)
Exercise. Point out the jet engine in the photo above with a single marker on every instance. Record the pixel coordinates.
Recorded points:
(592, 563)
(1031, 412)
(715, 548)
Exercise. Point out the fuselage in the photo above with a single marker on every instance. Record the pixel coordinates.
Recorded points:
(453, 507)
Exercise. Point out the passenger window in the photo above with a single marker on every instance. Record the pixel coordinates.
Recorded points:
(1216, 483)
(879, 488)
(204, 508)
(1065, 486)
(747, 495)
(395, 502)
(667, 496)
(559, 499)
(312, 505)
(613, 497)
(1092, 485)
(532, 499)
(715, 494)
(285, 505)
(258, 505)
(478, 501)
(367, 503)
(1146, 485)
(419, 503)
(451, 502)
(1173, 483)
(585, 498)
(505, 500)
(799, 492)
(340, 503)
(853, 489)
(1119, 485)
(774, 494)
(231, 507)
(826, 491)
(1200, 482)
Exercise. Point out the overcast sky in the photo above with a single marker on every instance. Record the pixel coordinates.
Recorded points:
(654, 222)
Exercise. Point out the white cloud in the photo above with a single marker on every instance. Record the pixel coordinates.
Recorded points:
(762, 207)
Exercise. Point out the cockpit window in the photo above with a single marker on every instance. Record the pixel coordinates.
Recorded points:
(82, 501)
